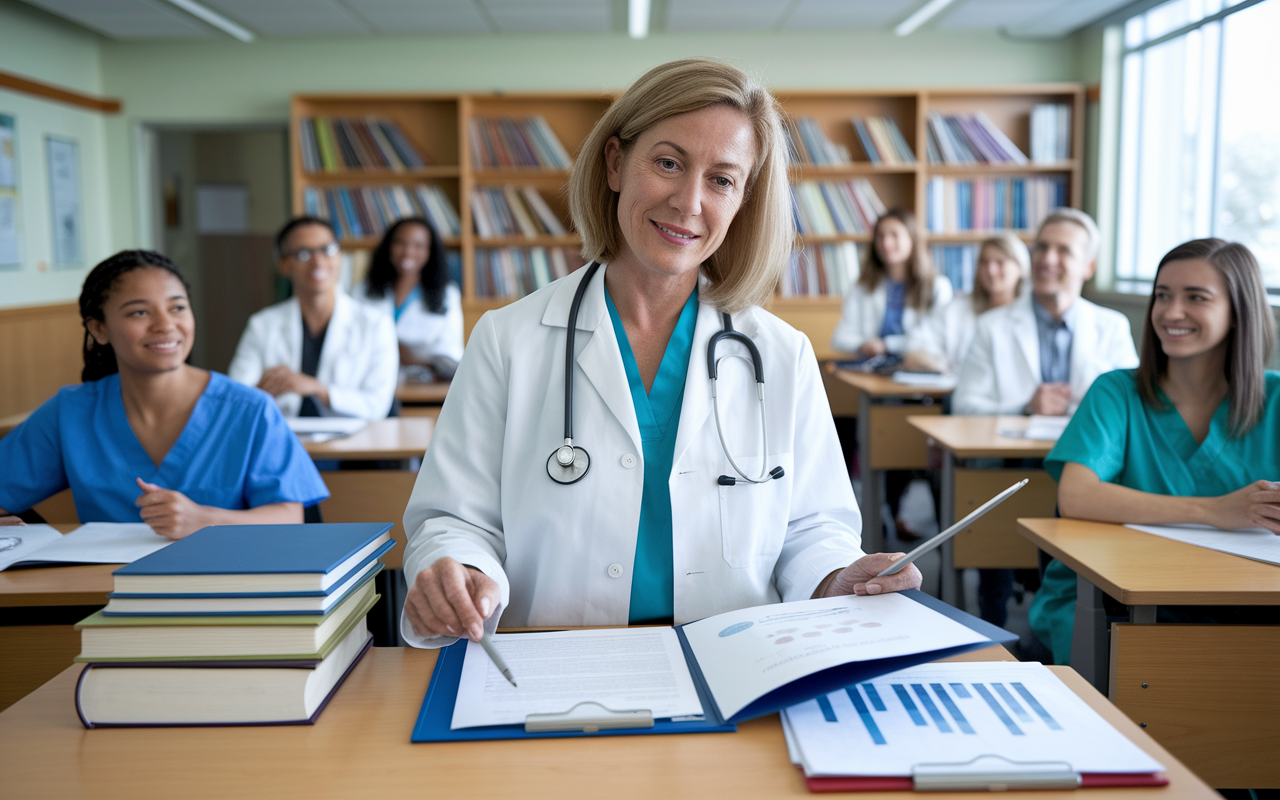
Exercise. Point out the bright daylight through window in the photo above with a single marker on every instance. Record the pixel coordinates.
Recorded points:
(1200, 134)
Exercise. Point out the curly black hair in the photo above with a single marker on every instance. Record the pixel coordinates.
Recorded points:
(435, 273)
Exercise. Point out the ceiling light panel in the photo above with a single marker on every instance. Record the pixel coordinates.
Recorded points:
(724, 15)
(551, 16)
(290, 17)
(812, 15)
(128, 19)
(420, 16)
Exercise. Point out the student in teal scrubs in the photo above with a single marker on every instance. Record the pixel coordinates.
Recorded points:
(1190, 436)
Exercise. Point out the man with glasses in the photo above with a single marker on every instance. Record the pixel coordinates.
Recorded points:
(319, 353)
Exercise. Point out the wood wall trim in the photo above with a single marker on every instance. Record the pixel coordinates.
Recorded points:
(48, 91)
(38, 311)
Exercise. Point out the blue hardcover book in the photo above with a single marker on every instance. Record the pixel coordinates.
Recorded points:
(229, 559)
(816, 646)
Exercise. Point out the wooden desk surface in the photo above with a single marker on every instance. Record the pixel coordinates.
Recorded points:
(381, 440)
(884, 386)
(360, 748)
(1139, 569)
(978, 436)
(57, 586)
(414, 392)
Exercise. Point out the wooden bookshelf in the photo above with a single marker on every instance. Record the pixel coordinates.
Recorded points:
(438, 125)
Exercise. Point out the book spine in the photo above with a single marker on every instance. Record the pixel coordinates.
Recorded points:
(864, 137)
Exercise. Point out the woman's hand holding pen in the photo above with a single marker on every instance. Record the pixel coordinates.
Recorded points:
(860, 577)
(171, 514)
(451, 599)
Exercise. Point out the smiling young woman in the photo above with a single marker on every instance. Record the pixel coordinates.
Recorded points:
(1190, 435)
(148, 437)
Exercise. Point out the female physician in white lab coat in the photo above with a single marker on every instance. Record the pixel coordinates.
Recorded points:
(682, 189)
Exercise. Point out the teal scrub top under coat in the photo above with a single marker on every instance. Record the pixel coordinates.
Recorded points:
(1127, 443)
(658, 414)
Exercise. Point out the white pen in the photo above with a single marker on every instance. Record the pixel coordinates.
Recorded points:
(487, 644)
(935, 542)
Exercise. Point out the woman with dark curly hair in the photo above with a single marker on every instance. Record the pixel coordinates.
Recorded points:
(148, 437)
(409, 279)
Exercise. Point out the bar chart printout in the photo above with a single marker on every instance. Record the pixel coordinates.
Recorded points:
(953, 713)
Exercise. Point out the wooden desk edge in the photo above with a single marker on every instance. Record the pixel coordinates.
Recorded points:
(1017, 448)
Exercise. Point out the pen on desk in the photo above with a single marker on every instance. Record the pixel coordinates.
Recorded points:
(487, 644)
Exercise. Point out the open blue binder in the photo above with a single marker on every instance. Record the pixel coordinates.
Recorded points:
(436, 713)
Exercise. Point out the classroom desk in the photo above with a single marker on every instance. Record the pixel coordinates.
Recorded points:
(885, 440)
(360, 747)
(418, 393)
(967, 482)
(391, 439)
(1207, 692)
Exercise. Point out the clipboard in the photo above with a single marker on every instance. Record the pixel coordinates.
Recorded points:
(990, 773)
(436, 714)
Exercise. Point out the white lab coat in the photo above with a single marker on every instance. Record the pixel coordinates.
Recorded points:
(426, 334)
(563, 555)
(359, 362)
(948, 333)
(863, 316)
(1002, 370)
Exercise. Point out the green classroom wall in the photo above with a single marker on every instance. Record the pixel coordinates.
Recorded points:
(222, 81)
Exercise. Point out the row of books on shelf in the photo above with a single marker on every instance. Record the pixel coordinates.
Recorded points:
(957, 262)
(992, 203)
(1051, 132)
(513, 211)
(517, 271)
(238, 625)
(367, 211)
(334, 144)
(969, 139)
(826, 270)
(506, 142)
(881, 139)
(826, 208)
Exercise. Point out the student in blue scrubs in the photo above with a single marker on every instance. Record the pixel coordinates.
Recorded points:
(1190, 436)
(147, 436)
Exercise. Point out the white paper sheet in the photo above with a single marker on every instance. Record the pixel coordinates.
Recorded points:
(1253, 543)
(1038, 427)
(344, 426)
(954, 712)
(621, 669)
(101, 543)
(30, 538)
(746, 654)
(930, 379)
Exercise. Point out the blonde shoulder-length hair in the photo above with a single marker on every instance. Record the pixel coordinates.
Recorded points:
(746, 268)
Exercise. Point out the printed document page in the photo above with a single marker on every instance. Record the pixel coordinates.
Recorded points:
(19, 542)
(1254, 543)
(102, 543)
(952, 713)
(622, 669)
(746, 654)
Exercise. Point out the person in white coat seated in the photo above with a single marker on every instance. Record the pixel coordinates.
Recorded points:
(1042, 352)
(408, 280)
(897, 291)
(1000, 277)
(680, 194)
(319, 353)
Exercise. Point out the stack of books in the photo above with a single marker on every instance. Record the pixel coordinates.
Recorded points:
(969, 139)
(513, 211)
(517, 271)
(993, 203)
(828, 208)
(369, 210)
(332, 145)
(826, 270)
(883, 141)
(503, 143)
(809, 145)
(1051, 132)
(233, 625)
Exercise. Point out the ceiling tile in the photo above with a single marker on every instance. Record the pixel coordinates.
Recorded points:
(550, 16)
(420, 16)
(128, 19)
(836, 14)
(724, 15)
(290, 17)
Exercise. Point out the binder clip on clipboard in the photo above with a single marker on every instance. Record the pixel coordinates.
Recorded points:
(588, 717)
(994, 774)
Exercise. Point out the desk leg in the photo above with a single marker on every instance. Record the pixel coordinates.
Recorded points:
(951, 577)
(872, 491)
(1089, 647)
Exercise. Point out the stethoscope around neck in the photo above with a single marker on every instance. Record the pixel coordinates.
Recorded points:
(570, 463)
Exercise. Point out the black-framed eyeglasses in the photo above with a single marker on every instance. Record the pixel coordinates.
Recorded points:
(304, 254)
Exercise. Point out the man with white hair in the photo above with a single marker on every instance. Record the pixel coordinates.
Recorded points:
(1041, 353)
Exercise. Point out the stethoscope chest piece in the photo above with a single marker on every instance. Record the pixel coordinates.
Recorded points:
(568, 464)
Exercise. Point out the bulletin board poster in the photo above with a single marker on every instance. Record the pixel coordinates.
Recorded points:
(64, 195)
(10, 258)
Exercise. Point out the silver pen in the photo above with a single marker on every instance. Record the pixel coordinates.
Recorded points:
(487, 644)
(936, 541)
